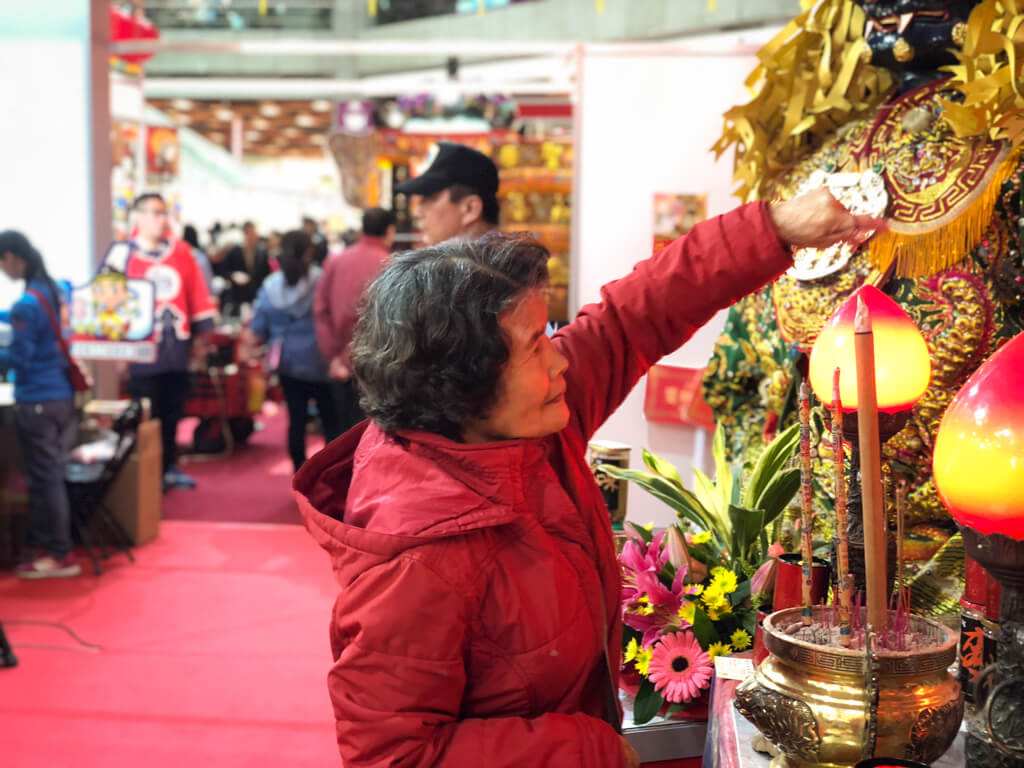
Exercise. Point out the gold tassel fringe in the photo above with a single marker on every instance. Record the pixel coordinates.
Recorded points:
(922, 250)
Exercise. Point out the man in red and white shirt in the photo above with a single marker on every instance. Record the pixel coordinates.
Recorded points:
(183, 311)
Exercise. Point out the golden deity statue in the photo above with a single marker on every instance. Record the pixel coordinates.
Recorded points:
(908, 110)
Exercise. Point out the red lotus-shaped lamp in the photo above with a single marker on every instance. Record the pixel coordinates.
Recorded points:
(902, 364)
(979, 450)
(978, 464)
(897, 359)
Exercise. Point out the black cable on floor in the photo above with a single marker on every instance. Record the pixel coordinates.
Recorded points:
(85, 646)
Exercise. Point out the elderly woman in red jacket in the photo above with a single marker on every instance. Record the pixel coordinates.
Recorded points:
(478, 618)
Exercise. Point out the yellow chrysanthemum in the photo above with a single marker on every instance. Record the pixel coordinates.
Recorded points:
(719, 649)
(686, 611)
(724, 580)
(718, 609)
(741, 639)
(711, 594)
(643, 661)
(702, 538)
(631, 650)
(649, 526)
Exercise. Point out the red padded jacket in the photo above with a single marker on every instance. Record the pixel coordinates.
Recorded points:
(479, 585)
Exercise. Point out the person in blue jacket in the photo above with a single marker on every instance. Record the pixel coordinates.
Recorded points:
(44, 410)
(283, 319)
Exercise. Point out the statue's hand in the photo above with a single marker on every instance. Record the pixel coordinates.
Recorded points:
(816, 220)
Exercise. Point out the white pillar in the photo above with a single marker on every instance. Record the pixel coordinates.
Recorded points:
(55, 141)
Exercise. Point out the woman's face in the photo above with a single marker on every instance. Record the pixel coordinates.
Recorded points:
(12, 266)
(531, 389)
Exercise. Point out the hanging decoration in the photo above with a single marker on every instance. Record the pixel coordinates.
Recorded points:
(128, 26)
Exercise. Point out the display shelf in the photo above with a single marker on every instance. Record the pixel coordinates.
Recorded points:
(661, 739)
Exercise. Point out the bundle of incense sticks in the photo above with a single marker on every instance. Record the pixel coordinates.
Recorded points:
(844, 580)
(806, 500)
(902, 590)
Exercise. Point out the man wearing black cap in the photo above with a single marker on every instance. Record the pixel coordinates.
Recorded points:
(456, 196)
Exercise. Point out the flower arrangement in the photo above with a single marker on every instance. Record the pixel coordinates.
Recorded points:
(689, 596)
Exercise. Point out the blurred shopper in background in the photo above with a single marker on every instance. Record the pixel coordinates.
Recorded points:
(191, 236)
(457, 196)
(245, 265)
(346, 276)
(44, 412)
(283, 319)
(184, 311)
(310, 227)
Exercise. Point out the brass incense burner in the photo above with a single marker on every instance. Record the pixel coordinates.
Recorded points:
(827, 707)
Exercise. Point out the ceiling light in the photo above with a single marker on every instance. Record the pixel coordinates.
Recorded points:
(224, 114)
(253, 135)
(260, 124)
(270, 109)
(182, 104)
(318, 139)
(321, 105)
(306, 121)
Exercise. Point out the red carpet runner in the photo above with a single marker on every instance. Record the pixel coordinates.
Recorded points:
(252, 485)
(211, 650)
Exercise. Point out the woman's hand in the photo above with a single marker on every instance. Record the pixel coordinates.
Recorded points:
(630, 759)
(816, 220)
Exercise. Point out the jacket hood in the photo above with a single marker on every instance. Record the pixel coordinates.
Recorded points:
(368, 497)
(296, 299)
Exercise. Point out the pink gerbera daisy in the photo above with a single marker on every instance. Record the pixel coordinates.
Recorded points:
(679, 669)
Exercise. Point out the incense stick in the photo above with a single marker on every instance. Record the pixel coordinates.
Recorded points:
(844, 581)
(806, 500)
(870, 471)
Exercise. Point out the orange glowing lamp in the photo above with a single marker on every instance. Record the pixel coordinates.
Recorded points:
(902, 364)
(978, 459)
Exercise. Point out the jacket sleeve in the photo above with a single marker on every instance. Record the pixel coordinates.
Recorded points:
(399, 638)
(200, 305)
(26, 322)
(662, 303)
(260, 323)
(322, 313)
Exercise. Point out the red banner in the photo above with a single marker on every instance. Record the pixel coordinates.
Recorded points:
(674, 397)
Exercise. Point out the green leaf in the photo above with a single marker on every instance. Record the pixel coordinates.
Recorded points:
(703, 628)
(746, 527)
(661, 467)
(750, 623)
(646, 703)
(642, 532)
(680, 499)
(741, 593)
(736, 487)
(705, 491)
(770, 463)
(778, 494)
(723, 473)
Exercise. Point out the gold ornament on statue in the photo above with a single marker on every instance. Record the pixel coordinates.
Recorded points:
(862, 193)
(959, 33)
(902, 51)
